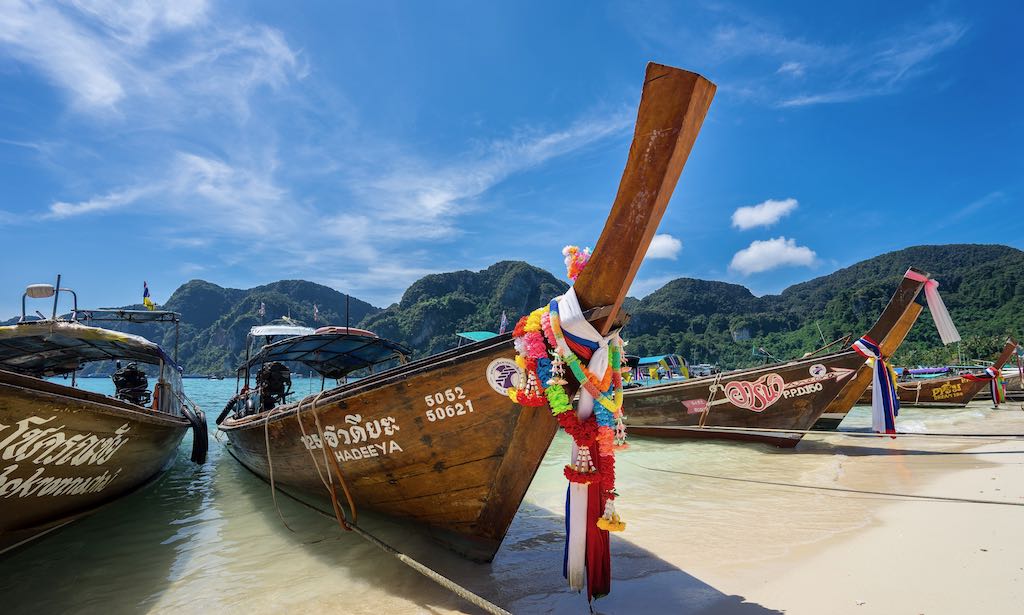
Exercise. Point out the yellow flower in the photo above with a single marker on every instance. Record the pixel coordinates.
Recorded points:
(611, 525)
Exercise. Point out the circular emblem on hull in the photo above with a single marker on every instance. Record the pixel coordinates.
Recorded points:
(818, 370)
(502, 375)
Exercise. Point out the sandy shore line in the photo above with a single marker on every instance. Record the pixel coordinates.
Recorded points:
(917, 556)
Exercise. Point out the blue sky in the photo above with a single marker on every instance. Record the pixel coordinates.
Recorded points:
(363, 145)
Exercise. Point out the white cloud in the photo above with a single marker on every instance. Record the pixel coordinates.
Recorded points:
(664, 246)
(792, 68)
(766, 213)
(148, 59)
(771, 254)
(106, 202)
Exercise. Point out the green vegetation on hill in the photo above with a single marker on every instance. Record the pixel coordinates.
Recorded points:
(438, 306)
(982, 285)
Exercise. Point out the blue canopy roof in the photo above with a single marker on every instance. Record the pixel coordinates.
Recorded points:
(656, 359)
(48, 347)
(332, 354)
(477, 336)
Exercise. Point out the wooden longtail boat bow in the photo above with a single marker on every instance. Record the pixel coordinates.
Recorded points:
(672, 110)
(463, 475)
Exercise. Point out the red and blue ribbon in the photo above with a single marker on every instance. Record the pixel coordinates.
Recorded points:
(992, 376)
(885, 404)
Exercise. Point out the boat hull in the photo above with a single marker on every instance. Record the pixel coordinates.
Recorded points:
(65, 452)
(462, 476)
(778, 397)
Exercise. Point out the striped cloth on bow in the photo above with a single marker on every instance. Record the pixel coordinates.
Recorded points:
(885, 405)
(992, 376)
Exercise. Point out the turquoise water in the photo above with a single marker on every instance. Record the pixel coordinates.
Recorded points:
(210, 539)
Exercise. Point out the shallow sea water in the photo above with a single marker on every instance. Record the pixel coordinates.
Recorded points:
(209, 539)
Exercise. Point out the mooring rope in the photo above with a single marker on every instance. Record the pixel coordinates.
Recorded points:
(270, 468)
(712, 392)
(338, 516)
(936, 498)
(859, 434)
(329, 462)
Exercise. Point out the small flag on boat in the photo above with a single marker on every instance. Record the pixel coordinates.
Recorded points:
(146, 299)
(316, 313)
(504, 323)
(263, 310)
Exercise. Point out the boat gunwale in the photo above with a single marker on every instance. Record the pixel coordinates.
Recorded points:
(97, 402)
(432, 362)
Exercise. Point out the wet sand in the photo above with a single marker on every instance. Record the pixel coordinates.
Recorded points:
(210, 539)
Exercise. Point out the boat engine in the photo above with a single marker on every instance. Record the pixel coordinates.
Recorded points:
(275, 383)
(131, 385)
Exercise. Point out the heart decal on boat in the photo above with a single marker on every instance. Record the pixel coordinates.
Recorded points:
(757, 395)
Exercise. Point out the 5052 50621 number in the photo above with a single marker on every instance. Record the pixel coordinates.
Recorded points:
(458, 404)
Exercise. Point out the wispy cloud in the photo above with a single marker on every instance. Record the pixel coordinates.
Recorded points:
(210, 196)
(765, 213)
(795, 69)
(959, 213)
(770, 254)
(105, 55)
(664, 246)
(758, 59)
(416, 195)
(880, 67)
(170, 90)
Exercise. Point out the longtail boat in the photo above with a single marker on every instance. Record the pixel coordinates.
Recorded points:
(952, 391)
(742, 404)
(438, 441)
(65, 452)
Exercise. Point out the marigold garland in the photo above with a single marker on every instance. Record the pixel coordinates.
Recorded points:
(539, 335)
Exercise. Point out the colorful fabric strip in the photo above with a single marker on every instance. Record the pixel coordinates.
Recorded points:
(885, 405)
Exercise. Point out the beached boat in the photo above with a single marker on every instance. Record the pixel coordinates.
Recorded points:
(742, 404)
(66, 452)
(438, 441)
(950, 391)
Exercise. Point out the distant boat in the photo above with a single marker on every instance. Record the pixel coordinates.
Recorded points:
(946, 391)
(438, 441)
(67, 452)
(742, 404)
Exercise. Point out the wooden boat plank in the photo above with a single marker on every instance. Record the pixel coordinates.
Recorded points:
(672, 109)
(65, 453)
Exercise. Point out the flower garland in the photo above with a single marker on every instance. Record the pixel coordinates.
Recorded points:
(539, 335)
(575, 260)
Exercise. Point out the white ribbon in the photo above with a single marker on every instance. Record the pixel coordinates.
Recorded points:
(572, 320)
(947, 330)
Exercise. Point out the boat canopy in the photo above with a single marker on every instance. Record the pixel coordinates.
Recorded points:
(928, 370)
(332, 355)
(477, 336)
(122, 315)
(46, 347)
(657, 359)
(669, 362)
(276, 330)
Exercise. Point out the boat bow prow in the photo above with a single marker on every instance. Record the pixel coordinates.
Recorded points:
(899, 315)
(672, 110)
(888, 332)
(1008, 351)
